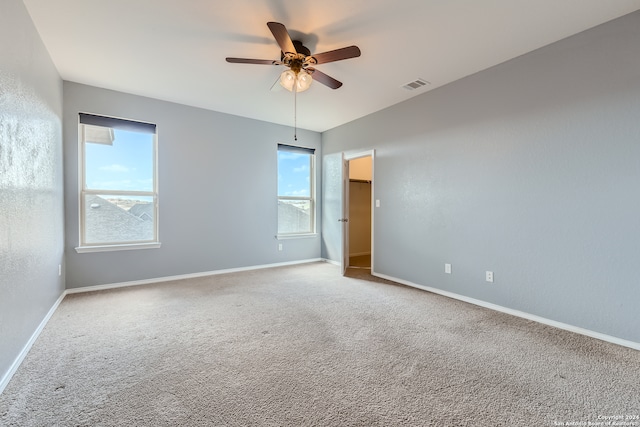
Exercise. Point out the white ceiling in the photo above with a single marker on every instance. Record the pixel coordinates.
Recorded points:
(175, 49)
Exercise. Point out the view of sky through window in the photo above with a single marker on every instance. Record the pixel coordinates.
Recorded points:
(125, 165)
(294, 176)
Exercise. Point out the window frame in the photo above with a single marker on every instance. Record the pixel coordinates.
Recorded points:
(312, 192)
(83, 191)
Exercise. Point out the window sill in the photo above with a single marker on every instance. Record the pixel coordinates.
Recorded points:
(296, 236)
(110, 248)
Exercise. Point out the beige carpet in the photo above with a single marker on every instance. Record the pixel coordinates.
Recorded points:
(302, 346)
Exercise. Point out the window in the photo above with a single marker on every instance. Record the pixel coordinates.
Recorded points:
(118, 191)
(296, 198)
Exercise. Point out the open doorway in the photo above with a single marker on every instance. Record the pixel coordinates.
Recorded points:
(357, 215)
(360, 190)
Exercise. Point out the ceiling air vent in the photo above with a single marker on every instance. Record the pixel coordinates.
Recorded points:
(417, 84)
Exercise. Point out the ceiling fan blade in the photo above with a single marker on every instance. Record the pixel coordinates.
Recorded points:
(281, 35)
(337, 55)
(252, 61)
(326, 80)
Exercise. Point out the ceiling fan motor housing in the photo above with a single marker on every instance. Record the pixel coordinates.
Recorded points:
(298, 60)
(300, 48)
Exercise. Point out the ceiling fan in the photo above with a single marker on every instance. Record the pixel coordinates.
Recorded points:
(299, 61)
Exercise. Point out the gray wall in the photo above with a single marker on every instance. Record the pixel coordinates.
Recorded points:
(530, 169)
(217, 191)
(31, 208)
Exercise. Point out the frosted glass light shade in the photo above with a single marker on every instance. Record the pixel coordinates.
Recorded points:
(302, 81)
(288, 79)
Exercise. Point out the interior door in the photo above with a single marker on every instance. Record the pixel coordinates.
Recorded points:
(345, 215)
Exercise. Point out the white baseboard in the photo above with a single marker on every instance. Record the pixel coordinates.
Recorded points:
(517, 313)
(185, 276)
(330, 261)
(25, 350)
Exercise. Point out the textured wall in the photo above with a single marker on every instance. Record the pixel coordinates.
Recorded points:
(217, 191)
(529, 169)
(31, 202)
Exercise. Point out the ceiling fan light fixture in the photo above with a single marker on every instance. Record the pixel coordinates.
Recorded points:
(297, 57)
(304, 81)
(288, 79)
(301, 80)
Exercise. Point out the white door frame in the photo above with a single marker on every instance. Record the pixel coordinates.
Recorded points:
(346, 157)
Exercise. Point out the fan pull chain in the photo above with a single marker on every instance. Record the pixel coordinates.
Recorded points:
(295, 113)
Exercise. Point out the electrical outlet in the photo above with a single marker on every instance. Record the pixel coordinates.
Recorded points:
(447, 268)
(279, 246)
(489, 276)
(59, 270)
